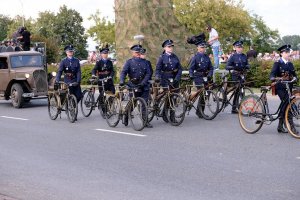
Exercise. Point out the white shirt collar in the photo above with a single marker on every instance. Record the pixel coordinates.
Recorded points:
(284, 60)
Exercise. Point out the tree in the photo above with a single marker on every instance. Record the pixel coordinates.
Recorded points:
(293, 40)
(103, 31)
(5, 21)
(264, 39)
(227, 16)
(45, 24)
(69, 29)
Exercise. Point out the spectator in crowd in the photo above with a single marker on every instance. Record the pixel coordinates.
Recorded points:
(251, 54)
(215, 44)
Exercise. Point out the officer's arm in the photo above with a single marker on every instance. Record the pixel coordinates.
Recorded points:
(112, 71)
(159, 66)
(150, 67)
(247, 66)
(78, 72)
(293, 72)
(59, 71)
(124, 72)
(95, 69)
(192, 67)
(274, 71)
(229, 65)
(179, 72)
(147, 76)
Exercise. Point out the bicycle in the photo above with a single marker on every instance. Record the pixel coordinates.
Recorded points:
(254, 111)
(60, 99)
(88, 102)
(126, 106)
(167, 104)
(208, 101)
(226, 93)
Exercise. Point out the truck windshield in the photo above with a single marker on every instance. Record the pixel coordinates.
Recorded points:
(26, 61)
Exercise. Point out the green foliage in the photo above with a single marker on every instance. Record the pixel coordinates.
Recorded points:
(227, 16)
(293, 40)
(5, 21)
(103, 32)
(263, 37)
(68, 27)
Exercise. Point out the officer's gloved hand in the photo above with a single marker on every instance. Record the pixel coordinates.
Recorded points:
(121, 84)
(56, 86)
(157, 80)
(74, 84)
(140, 85)
(209, 79)
(175, 82)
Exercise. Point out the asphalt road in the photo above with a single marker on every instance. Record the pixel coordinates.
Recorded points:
(41, 159)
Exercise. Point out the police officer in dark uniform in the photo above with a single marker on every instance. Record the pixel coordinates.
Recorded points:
(168, 66)
(283, 70)
(70, 66)
(143, 56)
(238, 63)
(139, 74)
(201, 69)
(104, 68)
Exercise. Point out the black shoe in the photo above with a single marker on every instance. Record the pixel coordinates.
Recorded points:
(282, 130)
(125, 120)
(234, 112)
(148, 125)
(199, 114)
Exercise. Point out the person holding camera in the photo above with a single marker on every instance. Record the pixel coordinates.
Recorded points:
(168, 66)
(200, 69)
(139, 74)
(70, 66)
(283, 70)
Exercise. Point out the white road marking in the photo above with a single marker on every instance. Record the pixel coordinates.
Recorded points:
(14, 118)
(119, 132)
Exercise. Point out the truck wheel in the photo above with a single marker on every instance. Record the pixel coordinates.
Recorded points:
(16, 95)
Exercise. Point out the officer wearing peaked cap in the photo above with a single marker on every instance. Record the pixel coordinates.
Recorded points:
(70, 66)
(139, 74)
(283, 70)
(238, 63)
(143, 56)
(104, 68)
(168, 66)
(200, 70)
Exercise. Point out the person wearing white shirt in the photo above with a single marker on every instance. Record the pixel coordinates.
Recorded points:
(215, 44)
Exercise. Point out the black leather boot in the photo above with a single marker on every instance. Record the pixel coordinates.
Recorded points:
(280, 127)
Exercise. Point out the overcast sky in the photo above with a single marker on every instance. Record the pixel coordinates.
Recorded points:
(282, 15)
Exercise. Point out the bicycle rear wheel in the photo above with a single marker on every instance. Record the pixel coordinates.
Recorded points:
(151, 111)
(52, 106)
(292, 118)
(87, 102)
(113, 110)
(208, 104)
(72, 108)
(251, 114)
(175, 109)
(220, 93)
(138, 113)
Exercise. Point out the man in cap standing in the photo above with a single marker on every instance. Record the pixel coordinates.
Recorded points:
(283, 70)
(168, 66)
(70, 66)
(238, 63)
(200, 69)
(139, 74)
(215, 44)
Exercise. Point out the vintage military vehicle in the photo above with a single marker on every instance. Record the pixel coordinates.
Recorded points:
(23, 77)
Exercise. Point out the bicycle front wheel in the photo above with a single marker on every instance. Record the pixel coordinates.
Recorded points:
(292, 118)
(175, 109)
(113, 110)
(245, 91)
(138, 113)
(251, 114)
(53, 106)
(72, 108)
(208, 104)
(87, 102)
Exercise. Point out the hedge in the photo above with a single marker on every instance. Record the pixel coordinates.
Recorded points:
(259, 72)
